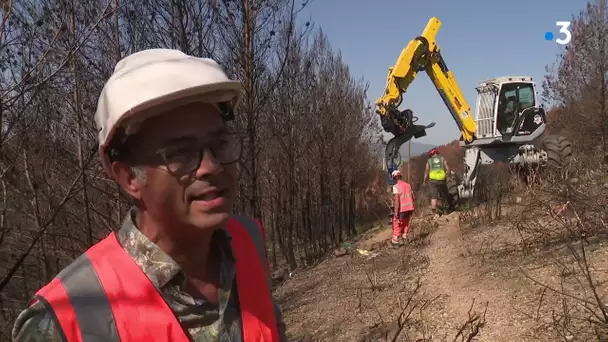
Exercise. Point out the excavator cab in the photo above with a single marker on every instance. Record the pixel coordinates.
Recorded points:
(506, 108)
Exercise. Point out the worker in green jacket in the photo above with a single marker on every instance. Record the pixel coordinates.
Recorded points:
(435, 175)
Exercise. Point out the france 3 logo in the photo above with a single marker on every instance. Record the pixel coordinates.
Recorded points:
(564, 33)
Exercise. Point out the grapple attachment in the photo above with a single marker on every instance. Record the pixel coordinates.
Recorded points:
(392, 157)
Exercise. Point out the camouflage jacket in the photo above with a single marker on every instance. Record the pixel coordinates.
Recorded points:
(201, 319)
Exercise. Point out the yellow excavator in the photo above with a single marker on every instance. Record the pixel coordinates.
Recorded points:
(508, 126)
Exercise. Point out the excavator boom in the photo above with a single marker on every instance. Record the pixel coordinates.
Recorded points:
(421, 54)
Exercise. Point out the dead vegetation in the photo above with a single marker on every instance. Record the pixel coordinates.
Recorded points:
(569, 226)
(551, 248)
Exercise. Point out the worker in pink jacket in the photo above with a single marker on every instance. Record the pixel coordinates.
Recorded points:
(403, 202)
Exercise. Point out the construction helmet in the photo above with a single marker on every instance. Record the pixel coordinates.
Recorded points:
(150, 82)
(433, 152)
(395, 173)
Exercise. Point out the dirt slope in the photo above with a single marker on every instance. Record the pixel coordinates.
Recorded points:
(359, 297)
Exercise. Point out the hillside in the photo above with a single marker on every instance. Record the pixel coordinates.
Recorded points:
(504, 277)
(417, 149)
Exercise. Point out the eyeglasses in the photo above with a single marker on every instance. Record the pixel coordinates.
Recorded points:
(186, 157)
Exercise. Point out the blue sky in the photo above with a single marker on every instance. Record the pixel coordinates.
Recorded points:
(479, 39)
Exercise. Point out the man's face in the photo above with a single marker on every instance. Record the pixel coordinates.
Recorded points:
(179, 191)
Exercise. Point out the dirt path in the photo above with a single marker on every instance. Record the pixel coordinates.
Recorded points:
(332, 301)
(452, 275)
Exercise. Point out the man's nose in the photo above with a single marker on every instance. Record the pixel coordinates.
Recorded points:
(209, 164)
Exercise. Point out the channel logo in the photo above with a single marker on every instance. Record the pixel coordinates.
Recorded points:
(564, 30)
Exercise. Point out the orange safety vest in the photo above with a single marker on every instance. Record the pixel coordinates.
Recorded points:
(104, 296)
(406, 203)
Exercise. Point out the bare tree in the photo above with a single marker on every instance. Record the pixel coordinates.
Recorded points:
(578, 84)
(311, 156)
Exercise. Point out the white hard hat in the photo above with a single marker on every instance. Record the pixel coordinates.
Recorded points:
(158, 79)
(395, 173)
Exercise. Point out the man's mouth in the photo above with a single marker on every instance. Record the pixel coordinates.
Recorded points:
(210, 199)
(207, 196)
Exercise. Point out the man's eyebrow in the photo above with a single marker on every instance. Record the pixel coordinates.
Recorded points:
(219, 130)
(185, 139)
(178, 140)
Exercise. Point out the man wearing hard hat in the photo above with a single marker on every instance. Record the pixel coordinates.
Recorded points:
(403, 203)
(436, 170)
(182, 267)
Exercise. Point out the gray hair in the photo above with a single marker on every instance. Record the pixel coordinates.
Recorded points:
(140, 173)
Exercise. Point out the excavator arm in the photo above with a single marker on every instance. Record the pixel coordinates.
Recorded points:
(420, 54)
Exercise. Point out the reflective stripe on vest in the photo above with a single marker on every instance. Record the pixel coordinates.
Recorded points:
(436, 168)
(104, 296)
(405, 196)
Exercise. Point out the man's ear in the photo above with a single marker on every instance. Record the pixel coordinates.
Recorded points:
(127, 179)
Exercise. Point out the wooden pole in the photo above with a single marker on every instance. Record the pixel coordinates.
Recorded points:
(409, 159)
